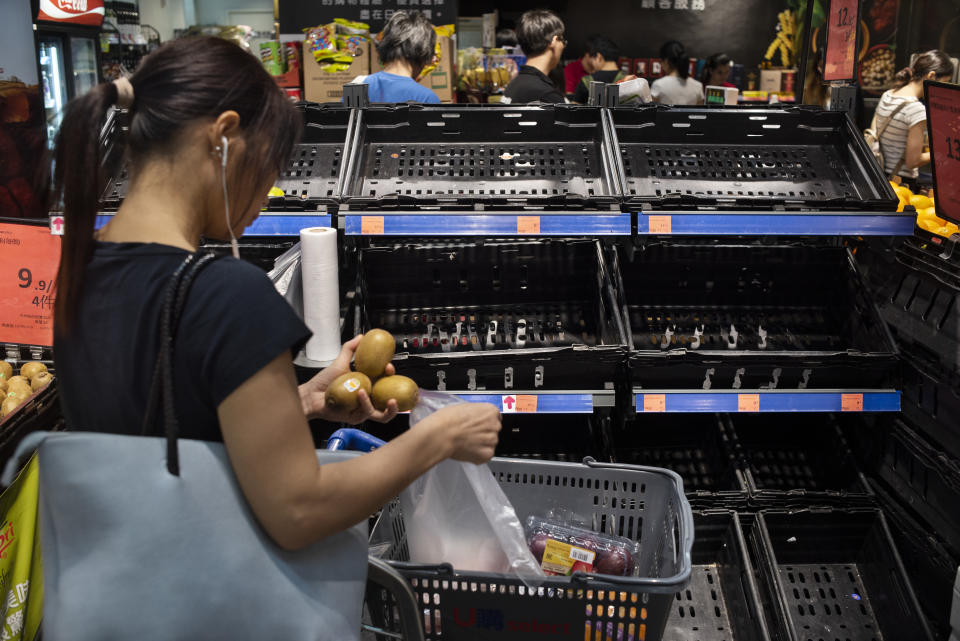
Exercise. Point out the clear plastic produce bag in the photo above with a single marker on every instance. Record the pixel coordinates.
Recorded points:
(457, 513)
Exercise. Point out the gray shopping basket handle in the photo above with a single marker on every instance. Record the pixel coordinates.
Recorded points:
(382, 574)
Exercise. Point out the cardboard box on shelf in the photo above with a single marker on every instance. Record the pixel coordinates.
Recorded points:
(323, 86)
(442, 80)
(770, 80)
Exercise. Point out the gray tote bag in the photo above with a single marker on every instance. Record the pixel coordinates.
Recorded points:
(150, 538)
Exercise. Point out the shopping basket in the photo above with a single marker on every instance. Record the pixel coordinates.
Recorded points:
(645, 504)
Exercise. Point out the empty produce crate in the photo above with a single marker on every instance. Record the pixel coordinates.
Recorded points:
(747, 158)
(501, 315)
(834, 574)
(694, 446)
(919, 472)
(931, 567)
(786, 316)
(311, 179)
(721, 602)
(791, 457)
(461, 156)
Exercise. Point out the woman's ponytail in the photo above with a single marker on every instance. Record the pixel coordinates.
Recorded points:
(676, 54)
(903, 78)
(78, 177)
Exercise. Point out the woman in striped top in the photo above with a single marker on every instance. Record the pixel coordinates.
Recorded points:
(901, 141)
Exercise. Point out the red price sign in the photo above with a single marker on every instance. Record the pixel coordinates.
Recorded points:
(842, 25)
(943, 121)
(29, 256)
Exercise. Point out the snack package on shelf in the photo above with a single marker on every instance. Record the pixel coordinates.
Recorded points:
(563, 547)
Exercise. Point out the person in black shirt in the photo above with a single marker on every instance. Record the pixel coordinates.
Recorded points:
(602, 54)
(203, 151)
(540, 34)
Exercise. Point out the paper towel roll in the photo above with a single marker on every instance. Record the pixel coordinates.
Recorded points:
(321, 292)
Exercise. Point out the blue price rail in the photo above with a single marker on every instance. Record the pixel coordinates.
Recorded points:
(268, 223)
(542, 402)
(774, 223)
(653, 401)
(486, 224)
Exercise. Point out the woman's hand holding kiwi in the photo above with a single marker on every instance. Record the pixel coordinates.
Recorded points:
(348, 401)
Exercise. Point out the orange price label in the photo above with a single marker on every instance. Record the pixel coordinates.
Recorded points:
(528, 224)
(654, 403)
(371, 225)
(526, 403)
(29, 256)
(748, 402)
(851, 402)
(661, 224)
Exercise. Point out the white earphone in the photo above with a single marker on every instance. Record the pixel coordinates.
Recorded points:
(226, 200)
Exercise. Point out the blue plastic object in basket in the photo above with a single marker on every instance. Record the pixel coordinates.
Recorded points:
(353, 439)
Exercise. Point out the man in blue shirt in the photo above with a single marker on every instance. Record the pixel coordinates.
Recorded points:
(406, 48)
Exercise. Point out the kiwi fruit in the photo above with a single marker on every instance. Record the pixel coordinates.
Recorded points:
(40, 380)
(10, 403)
(31, 369)
(13, 380)
(23, 392)
(6, 370)
(401, 388)
(3, 386)
(342, 393)
(374, 352)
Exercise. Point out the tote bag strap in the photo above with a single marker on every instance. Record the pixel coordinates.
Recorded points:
(160, 403)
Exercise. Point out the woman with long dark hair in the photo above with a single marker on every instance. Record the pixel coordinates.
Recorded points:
(716, 71)
(902, 118)
(676, 87)
(209, 131)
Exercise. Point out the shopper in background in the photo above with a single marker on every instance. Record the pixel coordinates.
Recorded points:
(676, 87)
(203, 150)
(902, 117)
(506, 38)
(540, 33)
(716, 71)
(602, 53)
(406, 47)
(573, 73)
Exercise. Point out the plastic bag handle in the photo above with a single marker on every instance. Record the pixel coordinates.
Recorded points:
(442, 569)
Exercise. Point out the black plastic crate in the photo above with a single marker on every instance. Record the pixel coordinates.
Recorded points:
(460, 156)
(785, 316)
(930, 566)
(261, 252)
(317, 164)
(500, 315)
(790, 457)
(834, 574)
(311, 179)
(694, 446)
(799, 157)
(919, 473)
(721, 602)
(918, 294)
(931, 402)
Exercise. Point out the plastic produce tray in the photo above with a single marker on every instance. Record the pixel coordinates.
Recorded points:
(565, 438)
(694, 446)
(920, 473)
(931, 402)
(722, 602)
(644, 504)
(786, 316)
(796, 458)
(930, 566)
(918, 294)
(40, 412)
(410, 156)
(747, 158)
(834, 574)
(311, 179)
(520, 315)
